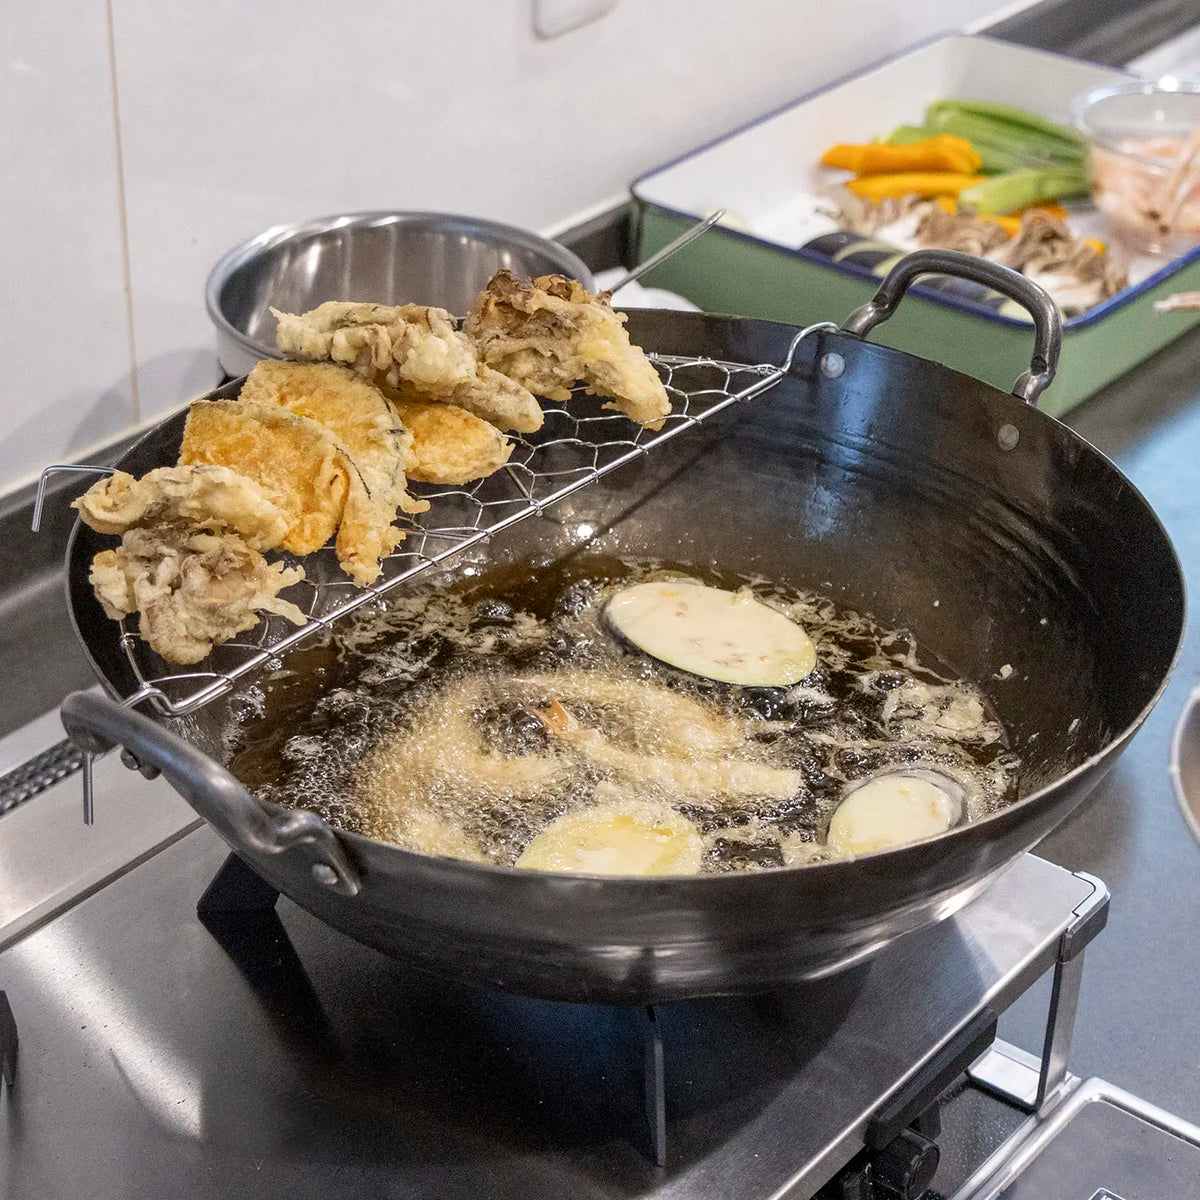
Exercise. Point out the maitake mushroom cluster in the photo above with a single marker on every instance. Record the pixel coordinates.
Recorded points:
(1077, 273)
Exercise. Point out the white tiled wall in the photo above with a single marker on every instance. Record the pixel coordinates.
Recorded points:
(236, 116)
(64, 333)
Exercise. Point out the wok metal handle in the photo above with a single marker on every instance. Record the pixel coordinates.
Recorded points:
(96, 724)
(1047, 321)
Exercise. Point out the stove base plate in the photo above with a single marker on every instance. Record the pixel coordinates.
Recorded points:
(1097, 1143)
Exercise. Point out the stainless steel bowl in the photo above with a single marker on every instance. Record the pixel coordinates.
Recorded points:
(389, 257)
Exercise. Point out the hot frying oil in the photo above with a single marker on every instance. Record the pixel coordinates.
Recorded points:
(468, 713)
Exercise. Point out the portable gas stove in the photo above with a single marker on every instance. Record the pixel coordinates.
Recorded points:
(256, 1052)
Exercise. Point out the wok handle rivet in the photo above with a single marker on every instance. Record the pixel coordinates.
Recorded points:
(324, 874)
(1008, 437)
(832, 365)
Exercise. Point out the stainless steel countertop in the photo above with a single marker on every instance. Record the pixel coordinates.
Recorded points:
(49, 858)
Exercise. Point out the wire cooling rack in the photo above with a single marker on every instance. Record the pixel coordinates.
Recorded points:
(570, 451)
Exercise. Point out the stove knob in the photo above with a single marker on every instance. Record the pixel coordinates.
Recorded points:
(905, 1167)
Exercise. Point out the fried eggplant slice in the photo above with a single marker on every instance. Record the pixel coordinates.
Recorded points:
(209, 497)
(451, 445)
(410, 349)
(362, 423)
(293, 459)
(192, 588)
(552, 334)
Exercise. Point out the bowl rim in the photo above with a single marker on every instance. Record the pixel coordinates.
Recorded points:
(1081, 105)
(1186, 729)
(276, 235)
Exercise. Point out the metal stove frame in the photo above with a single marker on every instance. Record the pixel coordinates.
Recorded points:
(236, 893)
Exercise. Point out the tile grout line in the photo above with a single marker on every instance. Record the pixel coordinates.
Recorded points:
(123, 213)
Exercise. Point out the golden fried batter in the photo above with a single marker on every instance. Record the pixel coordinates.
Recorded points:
(209, 497)
(495, 398)
(193, 589)
(408, 347)
(295, 461)
(451, 445)
(552, 334)
(360, 420)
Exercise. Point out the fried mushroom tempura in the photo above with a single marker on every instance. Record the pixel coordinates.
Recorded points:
(194, 589)
(604, 726)
(449, 444)
(361, 422)
(552, 334)
(209, 497)
(412, 350)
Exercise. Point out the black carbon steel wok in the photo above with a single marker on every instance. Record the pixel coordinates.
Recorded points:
(927, 498)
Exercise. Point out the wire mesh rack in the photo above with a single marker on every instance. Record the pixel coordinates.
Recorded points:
(571, 450)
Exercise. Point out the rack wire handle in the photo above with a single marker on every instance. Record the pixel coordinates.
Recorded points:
(684, 239)
(39, 498)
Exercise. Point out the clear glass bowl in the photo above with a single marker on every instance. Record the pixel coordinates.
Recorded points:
(1137, 131)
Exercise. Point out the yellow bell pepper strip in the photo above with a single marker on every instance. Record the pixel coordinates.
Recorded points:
(926, 184)
(942, 153)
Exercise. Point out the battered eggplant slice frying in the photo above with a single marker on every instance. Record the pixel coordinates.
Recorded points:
(410, 350)
(552, 334)
(449, 444)
(365, 427)
(209, 497)
(193, 588)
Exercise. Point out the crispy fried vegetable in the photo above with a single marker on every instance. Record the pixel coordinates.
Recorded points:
(552, 333)
(360, 421)
(292, 458)
(449, 444)
(193, 588)
(943, 152)
(208, 497)
(409, 347)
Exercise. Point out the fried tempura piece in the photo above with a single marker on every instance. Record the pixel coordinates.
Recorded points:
(209, 497)
(450, 445)
(294, 460)
(552, 334)
(410, 348)
(362, 423)
(495, 398)
(194, 589)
